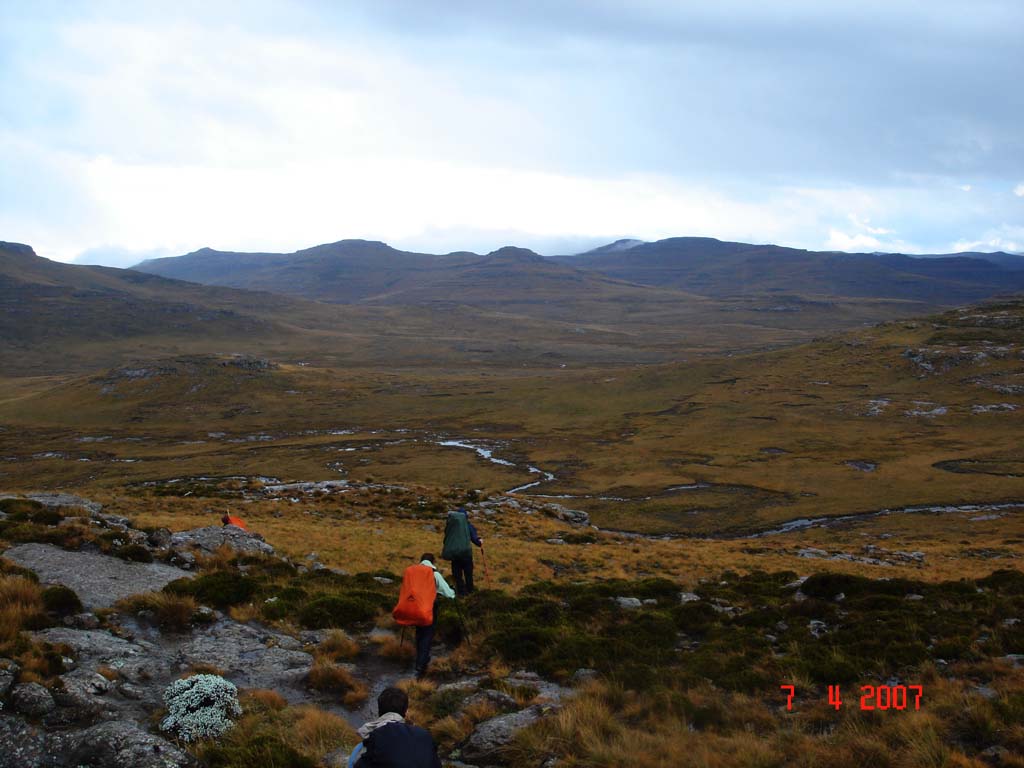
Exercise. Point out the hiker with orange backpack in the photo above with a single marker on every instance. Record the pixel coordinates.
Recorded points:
(230, 519)
(417, 602)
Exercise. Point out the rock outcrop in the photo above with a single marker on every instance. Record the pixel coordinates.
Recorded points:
(213, 537)
(98, 580)
(491, 738)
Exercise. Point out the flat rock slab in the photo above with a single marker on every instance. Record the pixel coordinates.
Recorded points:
(98, 580)
(250, 656)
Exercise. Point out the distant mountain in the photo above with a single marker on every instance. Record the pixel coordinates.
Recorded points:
(370, 272)
(65, 316)
(507, 308)
(362, 271)
(711, 267)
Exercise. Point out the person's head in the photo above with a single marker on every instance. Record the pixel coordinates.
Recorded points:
(427, 556)
(392, 700)
(463, 511)
(224, 519)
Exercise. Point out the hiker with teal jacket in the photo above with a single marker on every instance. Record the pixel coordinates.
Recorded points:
(459, 533)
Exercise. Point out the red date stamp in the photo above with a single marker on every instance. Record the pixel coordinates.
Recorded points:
(873, 697)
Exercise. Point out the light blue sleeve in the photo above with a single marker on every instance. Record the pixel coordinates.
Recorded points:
(355, 755)
(442, 586)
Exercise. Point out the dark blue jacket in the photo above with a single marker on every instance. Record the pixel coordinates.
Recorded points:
(399, 745)
(473, 535)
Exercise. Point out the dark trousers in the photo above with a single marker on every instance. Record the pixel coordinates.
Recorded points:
(424, 637)
(462, 572)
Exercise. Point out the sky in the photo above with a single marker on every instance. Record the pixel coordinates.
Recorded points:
(137, 129)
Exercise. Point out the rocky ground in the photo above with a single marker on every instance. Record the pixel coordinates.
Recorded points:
(99, 712)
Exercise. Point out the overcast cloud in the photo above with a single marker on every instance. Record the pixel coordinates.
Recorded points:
(129, 130)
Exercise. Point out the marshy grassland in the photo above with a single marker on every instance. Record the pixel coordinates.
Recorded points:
(884, 464)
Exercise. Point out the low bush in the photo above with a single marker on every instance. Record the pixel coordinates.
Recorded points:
(171, 612)
(221, 589)
(135, 553)
(337, 611)
(61, 600)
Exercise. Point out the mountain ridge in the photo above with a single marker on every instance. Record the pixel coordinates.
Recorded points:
(360, 271)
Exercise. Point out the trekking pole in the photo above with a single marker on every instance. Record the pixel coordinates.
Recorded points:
(402, 641)
(487, 572)
(462, 621)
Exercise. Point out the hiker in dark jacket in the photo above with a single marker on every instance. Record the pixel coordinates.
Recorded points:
(390, 742)
(459, 533)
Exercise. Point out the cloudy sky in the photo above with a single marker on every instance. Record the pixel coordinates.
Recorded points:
(133, 129)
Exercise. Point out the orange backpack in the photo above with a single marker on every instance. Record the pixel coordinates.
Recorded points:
(416, 598)
(237, 521)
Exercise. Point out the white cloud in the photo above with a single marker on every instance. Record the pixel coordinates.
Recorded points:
(177, 135)
(966, 187)
(865, 224)
(840, 241)
(1019, 190)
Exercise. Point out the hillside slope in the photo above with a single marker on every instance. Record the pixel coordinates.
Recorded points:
(713, 267)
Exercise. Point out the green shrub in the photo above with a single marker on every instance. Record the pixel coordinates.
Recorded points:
(1010, 582)
(522, 642)
(695, 618)
(221, 589)
(61, 600)
(336, 611)
(46, 516)
(20, 509)
(135, 553)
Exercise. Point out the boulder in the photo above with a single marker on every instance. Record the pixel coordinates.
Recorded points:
(32, 699)
(492, 737)
(629, 603)
(23, 745)
(214, 537)
(99, 580)
(124, 745)
(8, 674)
(77, 696)
(688, 597)
(571, 516)
(82, 621)
(160, 538)
(98, 645)
(499, 700)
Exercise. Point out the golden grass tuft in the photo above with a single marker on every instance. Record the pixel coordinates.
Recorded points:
(317, 731)
(451, 730)
(393, 648)
(263, 698)
(327, 677)
(172, 612)
(245, 613)
(21, 605)
(337, 646)
(222, 559)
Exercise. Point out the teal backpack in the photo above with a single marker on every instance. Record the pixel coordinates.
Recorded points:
(456, 537)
